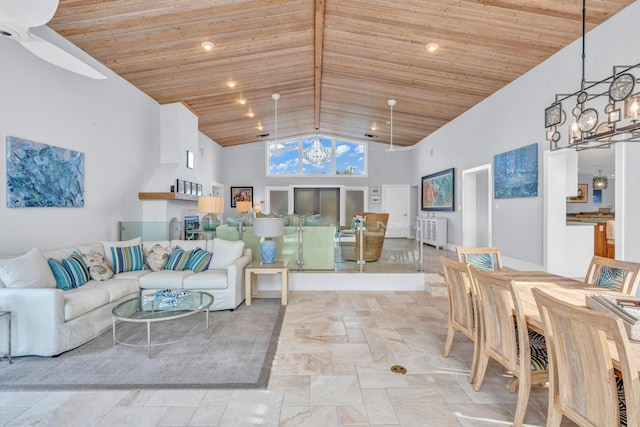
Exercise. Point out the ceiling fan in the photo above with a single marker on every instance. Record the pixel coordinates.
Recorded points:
(18, 17)
(392, 148)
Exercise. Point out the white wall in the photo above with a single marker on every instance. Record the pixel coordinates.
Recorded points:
(513, 118)
(608, 196)
(116, 126)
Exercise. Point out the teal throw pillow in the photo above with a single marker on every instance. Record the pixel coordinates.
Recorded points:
(179, 259)
(199, 260)
(127, 258)
(63, 278)
(77, 269)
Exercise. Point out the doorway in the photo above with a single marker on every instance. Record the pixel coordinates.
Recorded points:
(395, 201)
(477, 218)
(317, 201)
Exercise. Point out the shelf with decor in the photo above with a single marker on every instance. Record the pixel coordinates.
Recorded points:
(168, 196)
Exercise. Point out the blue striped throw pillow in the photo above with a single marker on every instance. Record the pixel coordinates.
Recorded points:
(127, 258)
(178, 260)
(199, 260)
(63, 278)
(77, 269)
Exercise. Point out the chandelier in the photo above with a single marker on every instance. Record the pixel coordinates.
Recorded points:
(600, 182)
(604, 112)
(316, 154)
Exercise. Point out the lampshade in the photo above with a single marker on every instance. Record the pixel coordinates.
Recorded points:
(243, 206)
(268, 227)
(210, 204)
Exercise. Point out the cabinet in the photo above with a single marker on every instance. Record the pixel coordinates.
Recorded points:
(600, 239)
(432, 231)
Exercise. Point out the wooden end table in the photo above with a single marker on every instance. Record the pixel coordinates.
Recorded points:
(257, 267)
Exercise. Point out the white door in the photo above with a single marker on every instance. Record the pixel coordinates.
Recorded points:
(396, 202)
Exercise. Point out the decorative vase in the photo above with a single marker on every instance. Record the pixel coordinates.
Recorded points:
(268, 251)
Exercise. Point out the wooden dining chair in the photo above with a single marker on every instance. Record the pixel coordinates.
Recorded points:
(583, 385)
(463, 314)
(482, 258)
(613, 274)
(524, 354)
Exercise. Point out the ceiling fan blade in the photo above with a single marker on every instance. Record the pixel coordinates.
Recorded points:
(27, 13)
(59, 57)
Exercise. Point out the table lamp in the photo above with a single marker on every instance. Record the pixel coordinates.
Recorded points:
(243, 207)
(268, 228)
(212, 206)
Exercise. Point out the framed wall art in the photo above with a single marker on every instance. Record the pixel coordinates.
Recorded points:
(583, 193)
(516, 173)
(438, 191)
(41, 175)
(241, 194)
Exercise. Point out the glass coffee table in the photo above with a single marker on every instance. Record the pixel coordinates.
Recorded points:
(162, 306)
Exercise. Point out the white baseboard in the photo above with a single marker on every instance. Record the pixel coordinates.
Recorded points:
(308, 281)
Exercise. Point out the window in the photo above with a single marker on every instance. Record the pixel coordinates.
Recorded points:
(334, 157)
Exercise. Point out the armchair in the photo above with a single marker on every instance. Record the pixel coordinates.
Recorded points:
(373, 236)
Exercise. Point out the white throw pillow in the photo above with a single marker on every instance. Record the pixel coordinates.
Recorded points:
(30, 270)
(225, 252)
(108, 245)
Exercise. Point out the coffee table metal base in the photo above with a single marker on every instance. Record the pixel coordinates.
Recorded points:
(149, 322)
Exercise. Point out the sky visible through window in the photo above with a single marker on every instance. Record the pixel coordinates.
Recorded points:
(348, 158)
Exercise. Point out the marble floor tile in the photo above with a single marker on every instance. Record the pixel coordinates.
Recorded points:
(331, 368)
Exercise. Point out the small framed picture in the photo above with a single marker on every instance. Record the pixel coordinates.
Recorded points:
(198, 189)
(375, 199)
(189, 159)
(241, 194)
(375, 191)
(180, 186)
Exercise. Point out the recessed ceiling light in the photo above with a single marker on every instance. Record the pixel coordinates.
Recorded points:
(251, 114)
(231, 83)
(207, 45)
(243, 101)
(432, 47)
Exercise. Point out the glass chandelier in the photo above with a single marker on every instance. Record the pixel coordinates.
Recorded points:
(600, 182)
(316, 154)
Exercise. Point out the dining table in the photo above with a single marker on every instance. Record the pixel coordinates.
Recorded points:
(572, 291)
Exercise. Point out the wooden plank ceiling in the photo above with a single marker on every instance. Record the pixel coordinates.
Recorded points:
(335, 63)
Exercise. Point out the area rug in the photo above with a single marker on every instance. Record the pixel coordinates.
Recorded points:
(238, 353)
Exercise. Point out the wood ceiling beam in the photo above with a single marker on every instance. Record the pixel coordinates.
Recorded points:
(319, 37)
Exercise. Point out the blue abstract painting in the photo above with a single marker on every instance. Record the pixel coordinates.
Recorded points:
(41, 175)
(516, 173)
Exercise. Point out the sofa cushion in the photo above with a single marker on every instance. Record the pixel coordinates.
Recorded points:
(30, 270)
(77, 269)
(131, 274)
(165, 279)
(127, 258)
(108, 245)
(156, 257)
(97, 247)
(63, 278)
(189, 244)
(210, 279)
(225, 252)
(117, 289)
(99, 267)
(199, 260)
(82, 300)
(60, 253)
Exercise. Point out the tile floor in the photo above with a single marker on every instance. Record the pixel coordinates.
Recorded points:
(332, 368)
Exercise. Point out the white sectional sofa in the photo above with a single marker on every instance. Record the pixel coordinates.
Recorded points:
(47, 321)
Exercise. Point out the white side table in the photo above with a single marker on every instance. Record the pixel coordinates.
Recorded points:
(257, 267)
(7, 314)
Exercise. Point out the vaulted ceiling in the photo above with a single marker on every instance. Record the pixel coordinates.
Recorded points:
(335, 63)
